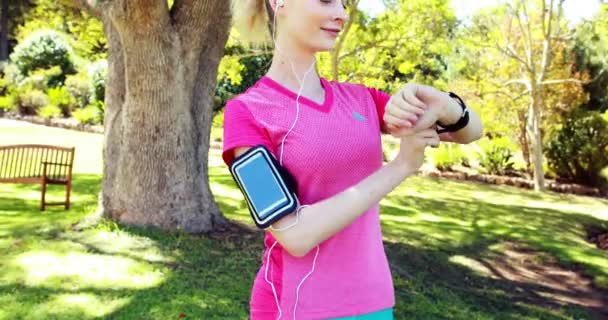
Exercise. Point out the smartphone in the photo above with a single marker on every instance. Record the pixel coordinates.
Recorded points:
(268, 188)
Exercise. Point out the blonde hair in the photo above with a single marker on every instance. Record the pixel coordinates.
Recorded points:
(251, 18)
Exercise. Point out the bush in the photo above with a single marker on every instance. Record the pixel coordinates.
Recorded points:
(449, 155)
(30, 101)
(43, 50)
(89, 115)
(79, 88)
(49, 111)
(61, 98)
(578, 151)
(98, 72)
(7, 103)
(496, 156)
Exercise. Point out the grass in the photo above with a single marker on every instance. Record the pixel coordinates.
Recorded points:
(436, 232)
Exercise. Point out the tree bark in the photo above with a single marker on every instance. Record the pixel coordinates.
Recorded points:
(534, 133)
(4, 32)
(161, 79)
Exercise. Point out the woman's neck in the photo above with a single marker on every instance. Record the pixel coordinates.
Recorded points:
(295, 71)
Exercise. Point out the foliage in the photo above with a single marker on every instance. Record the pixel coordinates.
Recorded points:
(31, 100)
(579, 150)
(410, 42)
(62, 100)
(449, 155)
(591, 50)
(91, 114)
(84, 32)
(50, 111)
(496, 155)
(7, 103)
(79, 87)
(43, 50)
(239, 69)
(98, 72)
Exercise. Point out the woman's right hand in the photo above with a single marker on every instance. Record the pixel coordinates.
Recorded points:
(412, 148)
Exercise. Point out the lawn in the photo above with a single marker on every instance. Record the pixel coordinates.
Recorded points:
(458, 250)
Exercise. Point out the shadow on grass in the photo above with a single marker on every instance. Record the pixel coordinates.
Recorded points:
(210, 277)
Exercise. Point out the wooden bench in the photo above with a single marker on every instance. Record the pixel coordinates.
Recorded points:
(41, 164)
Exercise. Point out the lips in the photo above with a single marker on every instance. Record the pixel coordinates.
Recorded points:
(332, 31)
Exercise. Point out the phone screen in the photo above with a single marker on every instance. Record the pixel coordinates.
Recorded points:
(263, 188)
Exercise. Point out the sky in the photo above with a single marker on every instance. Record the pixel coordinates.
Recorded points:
(575, 10)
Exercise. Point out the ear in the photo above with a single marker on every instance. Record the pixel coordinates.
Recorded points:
(276, 4)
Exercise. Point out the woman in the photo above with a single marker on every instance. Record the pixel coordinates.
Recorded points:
(327, 260)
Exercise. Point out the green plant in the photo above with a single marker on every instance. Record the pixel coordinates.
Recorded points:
(61, 98)
(43, 50)
(7, 103)
(496, 156)
(98, 72)
(449, 155)
(578, 151)
(78, 87)
(89, 115)
(30, 101)
(49, 111)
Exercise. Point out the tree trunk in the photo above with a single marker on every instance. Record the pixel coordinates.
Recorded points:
(524, 142)
(4, 32)
(534, 134)
(161, 79)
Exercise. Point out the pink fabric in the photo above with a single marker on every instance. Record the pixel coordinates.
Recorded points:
(333, 146)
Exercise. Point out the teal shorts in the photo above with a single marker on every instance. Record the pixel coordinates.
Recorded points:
(380, 315)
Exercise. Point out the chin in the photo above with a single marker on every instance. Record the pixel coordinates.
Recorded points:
(325, 46)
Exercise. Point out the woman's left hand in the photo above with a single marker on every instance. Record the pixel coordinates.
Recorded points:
(414, 108)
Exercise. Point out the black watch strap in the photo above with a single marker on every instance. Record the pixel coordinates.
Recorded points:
(461, 123)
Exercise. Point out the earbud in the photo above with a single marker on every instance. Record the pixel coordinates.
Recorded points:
(280, 3)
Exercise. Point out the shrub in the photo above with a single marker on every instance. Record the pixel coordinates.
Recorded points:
(79, 88)
(61, 98)
(578, 151)
(496, 156)
(89, 115)
(7, 103)
(43, 50)
(30, 101)
(449, 155)
(98, 72)
(49, 111)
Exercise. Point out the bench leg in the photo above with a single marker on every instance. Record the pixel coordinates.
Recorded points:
(68, 189)
(43, 197)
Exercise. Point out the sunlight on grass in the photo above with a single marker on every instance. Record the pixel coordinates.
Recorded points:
(81, 304)
(120, 243)
(81, 270)
(437, 233)
(471, 264)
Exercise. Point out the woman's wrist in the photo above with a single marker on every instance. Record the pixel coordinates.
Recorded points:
(451, 111)
(401, 168)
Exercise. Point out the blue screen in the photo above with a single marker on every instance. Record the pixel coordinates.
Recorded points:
(261, 185)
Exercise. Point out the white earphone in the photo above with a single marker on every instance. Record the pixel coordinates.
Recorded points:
(280, 4)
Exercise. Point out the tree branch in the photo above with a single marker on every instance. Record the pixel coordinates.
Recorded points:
(524, 82)
(572, 80)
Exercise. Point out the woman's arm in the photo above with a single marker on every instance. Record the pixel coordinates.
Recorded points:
(323, 219)
(450, 114)
(418, 107)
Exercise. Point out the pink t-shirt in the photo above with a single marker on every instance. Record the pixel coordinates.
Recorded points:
(333, 146)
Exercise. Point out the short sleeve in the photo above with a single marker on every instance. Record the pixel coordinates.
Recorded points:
(381, 100)
(241, 129)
